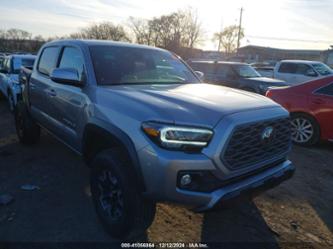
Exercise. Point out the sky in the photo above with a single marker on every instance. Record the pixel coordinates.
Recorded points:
(293, 24)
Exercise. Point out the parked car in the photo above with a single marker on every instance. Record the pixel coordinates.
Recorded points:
(298, 71)
(151, 131)
(311, 108)
(235, 75)
(10, 86)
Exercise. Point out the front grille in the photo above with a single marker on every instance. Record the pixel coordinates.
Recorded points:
(247, 148)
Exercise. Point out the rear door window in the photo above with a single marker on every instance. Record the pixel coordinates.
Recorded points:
(288, 68)
(48, 60)
(223, 71)
(304, 69)
(326, 90)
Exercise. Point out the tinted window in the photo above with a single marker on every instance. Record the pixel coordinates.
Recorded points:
(48, 60)
(288, 68)
(305, 69)
(246, 71)
(206, 68)
(6, 64)
(72, 58)
(127, 65)
(223, 71)
(25, 62)
(327, 90)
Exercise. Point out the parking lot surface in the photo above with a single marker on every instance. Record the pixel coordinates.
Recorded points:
(297, 213)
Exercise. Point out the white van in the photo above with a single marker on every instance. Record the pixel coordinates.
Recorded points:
(295, 72)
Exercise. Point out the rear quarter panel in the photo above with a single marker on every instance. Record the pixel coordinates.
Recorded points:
(323, 113)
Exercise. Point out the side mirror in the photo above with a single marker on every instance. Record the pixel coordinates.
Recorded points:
(67, 76)
(200, 75)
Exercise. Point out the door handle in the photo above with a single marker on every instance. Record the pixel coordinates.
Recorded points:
(318, 101)
(52, 93)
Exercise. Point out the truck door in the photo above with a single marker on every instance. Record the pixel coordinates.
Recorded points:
(305, 73)
(69, 101)
(227, 76)
(40, 86)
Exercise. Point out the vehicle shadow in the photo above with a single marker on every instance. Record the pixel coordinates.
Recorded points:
(315, 168)
(239, 226)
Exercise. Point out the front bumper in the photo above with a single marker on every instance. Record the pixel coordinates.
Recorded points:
(161, 180)
(249, 187)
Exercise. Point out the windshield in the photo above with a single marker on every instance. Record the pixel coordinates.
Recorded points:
(18, 62)
(125, 65)
(246, 71)
(322, 69)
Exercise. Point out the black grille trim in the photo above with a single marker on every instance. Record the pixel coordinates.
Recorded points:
(245, 147)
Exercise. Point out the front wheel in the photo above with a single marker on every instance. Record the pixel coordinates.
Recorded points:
(122, 210)
(304, 129)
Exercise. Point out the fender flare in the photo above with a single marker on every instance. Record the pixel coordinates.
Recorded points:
(110, 131)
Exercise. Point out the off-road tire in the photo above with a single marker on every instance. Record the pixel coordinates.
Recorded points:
(137, 212)
(27, 130)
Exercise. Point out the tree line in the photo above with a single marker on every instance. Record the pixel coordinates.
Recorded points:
(180, 32)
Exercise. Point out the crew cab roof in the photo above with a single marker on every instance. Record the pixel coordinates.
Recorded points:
(84, 42)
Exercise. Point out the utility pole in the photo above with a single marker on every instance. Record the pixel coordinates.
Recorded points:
(221, 29)
(239, 28)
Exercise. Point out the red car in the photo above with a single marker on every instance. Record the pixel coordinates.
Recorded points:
(311, 108)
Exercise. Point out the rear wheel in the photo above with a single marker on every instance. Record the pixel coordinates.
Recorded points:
(27, 130)
(304, 129)
(122, 210)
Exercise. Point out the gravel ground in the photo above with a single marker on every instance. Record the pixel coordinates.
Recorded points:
(298, 213)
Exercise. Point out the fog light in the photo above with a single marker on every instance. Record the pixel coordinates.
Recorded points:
(185, 180)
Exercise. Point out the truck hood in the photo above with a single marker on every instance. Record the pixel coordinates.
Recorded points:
(187, 104)
(269, 81)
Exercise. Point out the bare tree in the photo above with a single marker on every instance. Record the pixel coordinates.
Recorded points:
(142, 30)
(228, 38)
(193, 28)
(18, 34)
(102, 31)
(173, 31)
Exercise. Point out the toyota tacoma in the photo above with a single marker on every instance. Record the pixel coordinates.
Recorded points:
(150, 131)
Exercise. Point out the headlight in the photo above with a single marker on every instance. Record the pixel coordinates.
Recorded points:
(177, 137)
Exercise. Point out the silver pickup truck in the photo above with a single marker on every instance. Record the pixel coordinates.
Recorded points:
(151, 131)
